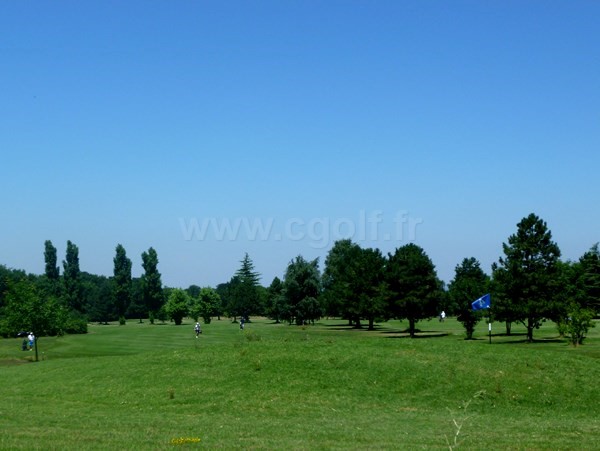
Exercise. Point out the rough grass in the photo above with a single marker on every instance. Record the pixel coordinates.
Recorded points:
(317, 387)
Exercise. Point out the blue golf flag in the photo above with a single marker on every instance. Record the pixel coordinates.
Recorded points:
(483, 302)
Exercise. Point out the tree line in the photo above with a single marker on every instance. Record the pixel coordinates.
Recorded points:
(55, 303)
(529, 284)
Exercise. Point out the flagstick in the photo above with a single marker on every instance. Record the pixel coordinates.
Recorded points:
(484, 302)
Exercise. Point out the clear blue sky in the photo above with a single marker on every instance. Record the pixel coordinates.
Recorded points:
(441, 123)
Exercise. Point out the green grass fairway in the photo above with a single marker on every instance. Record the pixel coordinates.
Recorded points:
(276, 386)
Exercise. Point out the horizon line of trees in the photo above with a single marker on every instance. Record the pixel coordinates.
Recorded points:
(529, 285)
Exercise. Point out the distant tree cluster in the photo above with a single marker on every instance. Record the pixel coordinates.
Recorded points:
(54, 304)
(529, 284)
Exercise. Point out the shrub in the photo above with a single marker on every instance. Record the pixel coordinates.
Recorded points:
(579, 322)
(177, 305)
(76, 325)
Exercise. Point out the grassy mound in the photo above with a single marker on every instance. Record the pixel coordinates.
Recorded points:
(316, 387)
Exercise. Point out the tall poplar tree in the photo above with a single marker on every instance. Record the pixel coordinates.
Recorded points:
(51, 283)
(72, 279)
(52, 271)
(151, 282)
(122, 281)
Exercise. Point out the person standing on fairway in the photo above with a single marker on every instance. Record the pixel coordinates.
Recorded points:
(197, 329)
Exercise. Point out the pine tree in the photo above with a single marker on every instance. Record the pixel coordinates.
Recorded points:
(244, 298)
(469, 283)
(589, 265)
(415, 289)
(527, 276)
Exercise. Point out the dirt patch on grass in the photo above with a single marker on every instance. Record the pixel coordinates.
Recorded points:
(12, 362)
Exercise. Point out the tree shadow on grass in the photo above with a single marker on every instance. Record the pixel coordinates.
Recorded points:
(391, 333)
(348, 327)
(524, 340)
(337, 326)
(418, 334)
(357, 329)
